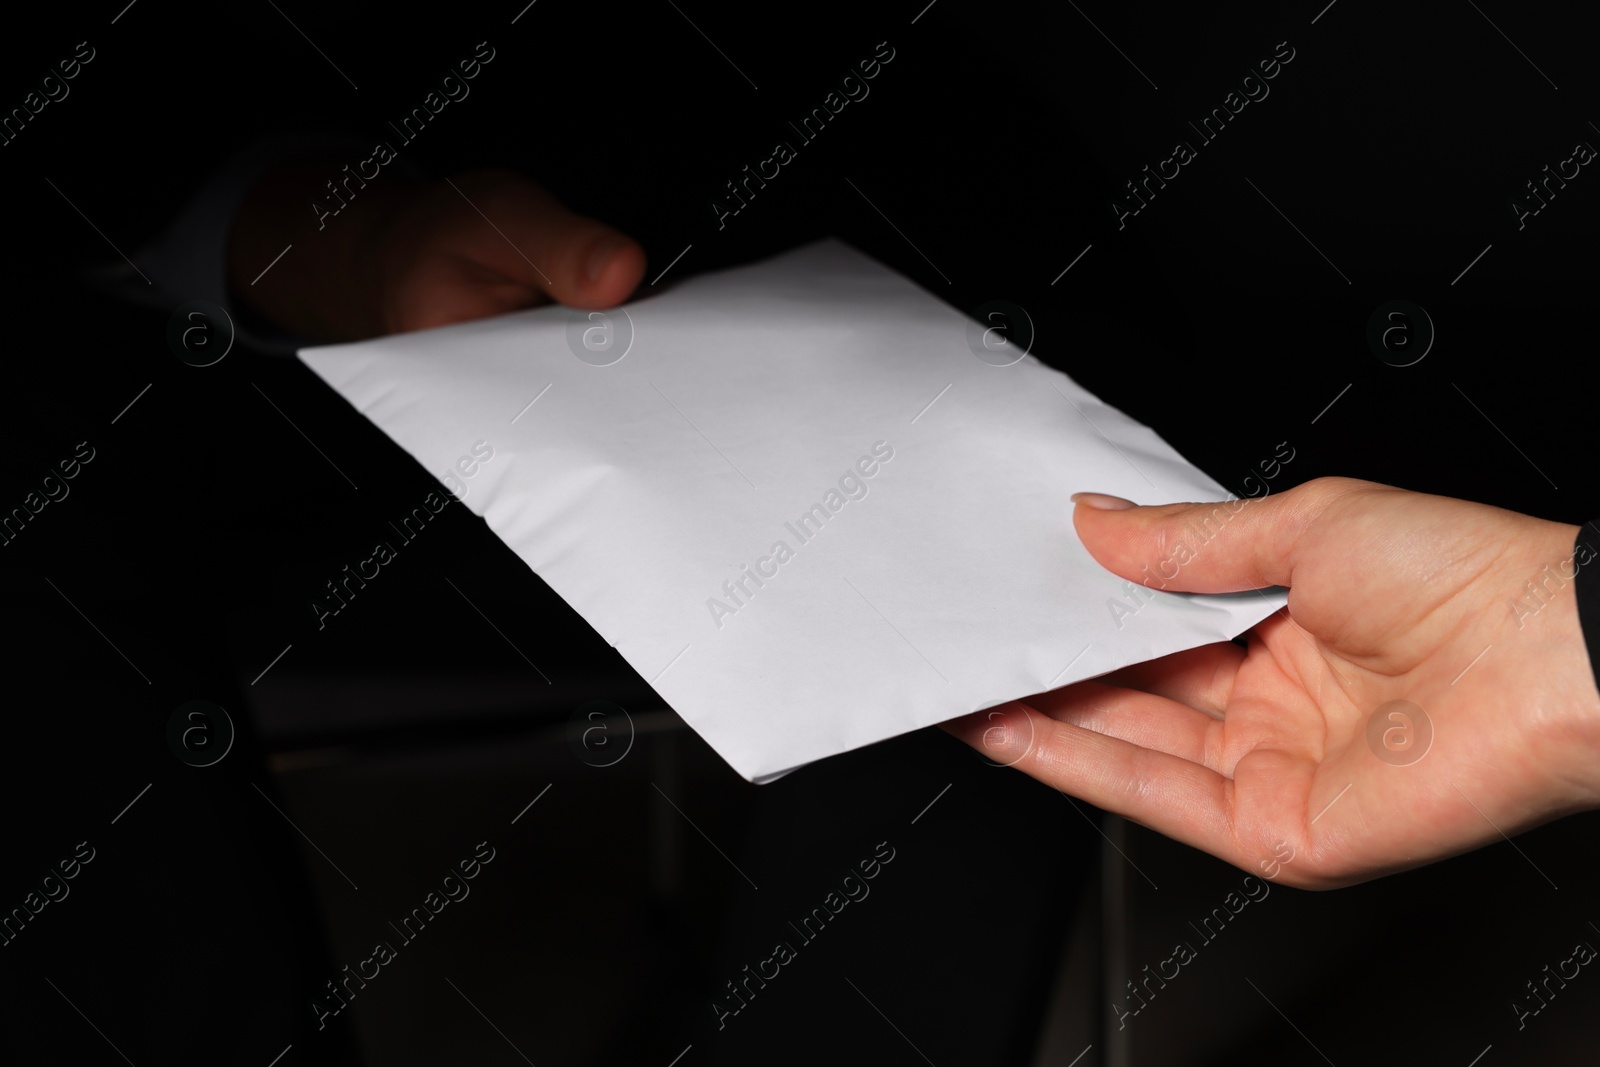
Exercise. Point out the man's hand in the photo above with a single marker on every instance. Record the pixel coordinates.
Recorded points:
(404, 257)
(1393, 596)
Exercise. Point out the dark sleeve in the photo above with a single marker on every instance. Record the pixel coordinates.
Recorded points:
(1586, 583)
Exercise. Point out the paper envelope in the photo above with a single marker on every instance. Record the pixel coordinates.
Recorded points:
(814, 506)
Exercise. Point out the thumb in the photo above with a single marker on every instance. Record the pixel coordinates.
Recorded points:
(534, 240)
(588, 264)
(1222, 547)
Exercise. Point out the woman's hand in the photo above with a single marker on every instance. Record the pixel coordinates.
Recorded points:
(1393, 596)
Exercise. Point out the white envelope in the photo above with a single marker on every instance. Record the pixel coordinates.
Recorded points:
(794, 497)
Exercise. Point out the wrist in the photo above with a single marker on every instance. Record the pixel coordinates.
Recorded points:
(327, 287)
(1565, 597)
(366, 255)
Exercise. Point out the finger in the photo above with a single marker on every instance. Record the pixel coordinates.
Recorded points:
(441, 290)
(521, 230)
(1200, 677)
(1139, 718)
(1207, 548)
(1171, 795)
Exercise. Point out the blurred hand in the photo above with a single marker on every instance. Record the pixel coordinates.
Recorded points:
(404, 257)
(1393, 596)
(441, 261)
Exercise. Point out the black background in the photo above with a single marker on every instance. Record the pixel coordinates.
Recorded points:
(406, 731)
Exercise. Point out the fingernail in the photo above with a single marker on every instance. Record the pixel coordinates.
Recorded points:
(1103, 502)
(601, 254)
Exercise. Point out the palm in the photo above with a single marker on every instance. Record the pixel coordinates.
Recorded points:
(1259, 754)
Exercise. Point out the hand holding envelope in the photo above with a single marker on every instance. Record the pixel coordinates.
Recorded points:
(1402, 711)
(795, 500)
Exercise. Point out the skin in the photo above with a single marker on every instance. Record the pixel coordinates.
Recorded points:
(1392, 595)
(402, 257)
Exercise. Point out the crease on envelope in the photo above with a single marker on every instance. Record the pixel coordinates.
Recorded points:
(648, 491)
